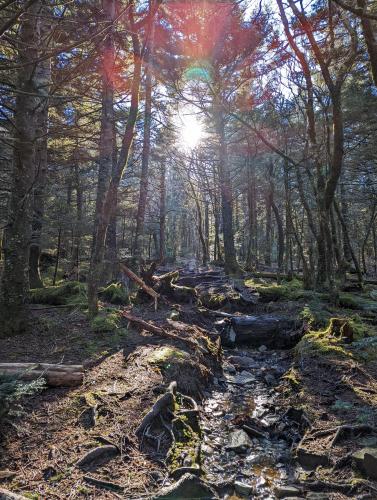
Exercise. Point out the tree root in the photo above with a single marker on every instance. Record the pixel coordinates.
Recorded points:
(108, 485)
(341, 430)
(164, 403)
(351, 429)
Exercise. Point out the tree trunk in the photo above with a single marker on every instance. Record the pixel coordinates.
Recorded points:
(231, 264)
(162, 213)
(138, 242)
(106, 145)
(15, 278)
(370, 40)
(43, 76)
(110, 199)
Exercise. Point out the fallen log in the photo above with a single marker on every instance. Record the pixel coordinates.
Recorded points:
(147, 289)
(267, 329)
(54, 375)
(156, 330)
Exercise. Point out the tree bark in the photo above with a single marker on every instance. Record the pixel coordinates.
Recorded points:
(15, 278)
(138, 241)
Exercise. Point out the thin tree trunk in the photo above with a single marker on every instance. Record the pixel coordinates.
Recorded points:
(231, 264)
(143, 193)
(162, 213)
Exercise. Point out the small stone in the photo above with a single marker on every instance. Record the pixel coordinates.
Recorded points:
(286, 491)
(207, 450)
(262, 348)
(239, 441)
(243, 489)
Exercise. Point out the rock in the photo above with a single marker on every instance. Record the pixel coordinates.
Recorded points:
(311, 459)
(286, 491)
(9, 495)
(241, 379)
(243, 489)
(366, 461)
(227, 367)
(270, 379)
(262, 348)
(243, 362)
(180, 471)
(188, 487)
(97, 456)
(239, 441)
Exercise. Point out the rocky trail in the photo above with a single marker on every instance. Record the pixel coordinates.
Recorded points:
(200, 399)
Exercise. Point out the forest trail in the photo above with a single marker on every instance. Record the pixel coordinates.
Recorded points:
(244, 416)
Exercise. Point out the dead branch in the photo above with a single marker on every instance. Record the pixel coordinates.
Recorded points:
(156, 330)
(147, 289)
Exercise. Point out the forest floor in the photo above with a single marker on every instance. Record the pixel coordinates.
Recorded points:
(268, 418)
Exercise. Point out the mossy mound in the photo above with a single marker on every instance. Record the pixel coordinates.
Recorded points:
(328, 342)
(164, 356)
(115, 293)
(212, 300)
(71, 292)
(106, 321)
(272, 292)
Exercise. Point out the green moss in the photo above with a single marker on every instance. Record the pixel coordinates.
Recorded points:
(287, 290)
(212, 300)
(292, 377)
(322, 343)
(164, 356)
(63, 294)
(115, 293)
(360, 302)
(106, 321)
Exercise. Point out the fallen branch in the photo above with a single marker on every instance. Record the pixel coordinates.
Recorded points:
(55, 375)
(156, 330)
(147, 289)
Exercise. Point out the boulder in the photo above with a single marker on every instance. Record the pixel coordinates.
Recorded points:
(242, 362)
(239, 441)
(188, 487)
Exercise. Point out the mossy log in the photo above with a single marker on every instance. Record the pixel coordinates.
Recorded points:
(55, 375)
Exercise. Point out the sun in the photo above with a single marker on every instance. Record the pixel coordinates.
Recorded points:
(191, 131)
